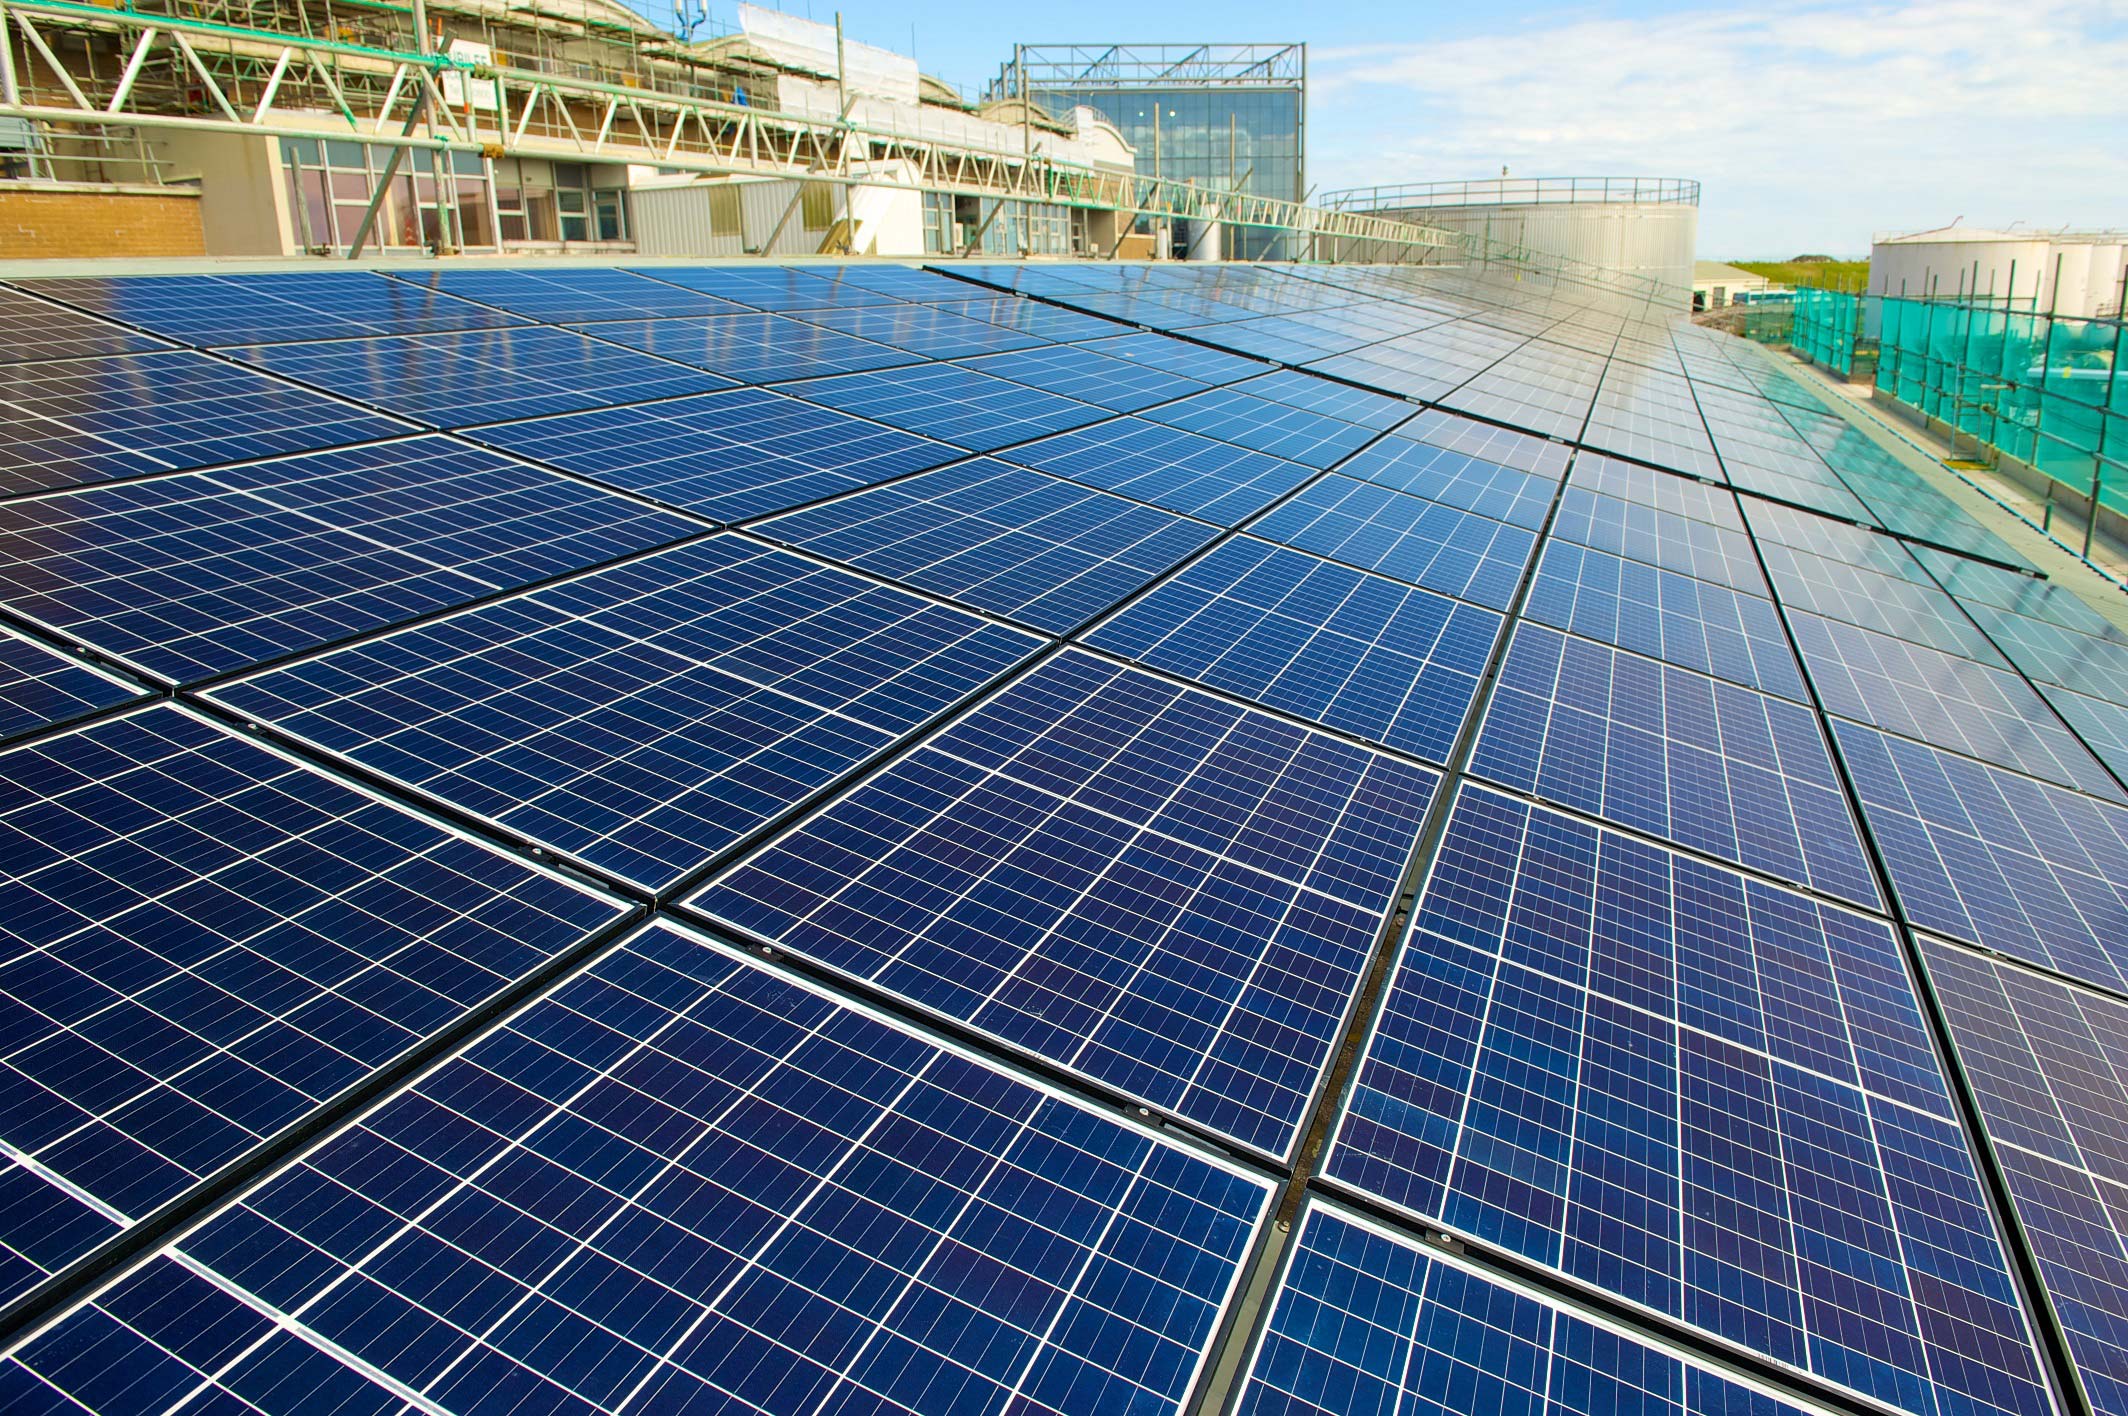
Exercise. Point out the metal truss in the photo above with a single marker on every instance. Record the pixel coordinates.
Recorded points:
(162, 71)
(1037, 67)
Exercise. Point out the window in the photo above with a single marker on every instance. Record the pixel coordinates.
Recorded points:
(724, 211)
(817, 211)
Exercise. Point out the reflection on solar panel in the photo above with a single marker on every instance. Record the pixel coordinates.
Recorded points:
(201, 943)
(1162, 892)
(844, 838)
(726, 456)
(1709, 1096)
(1367, 1320)
(200, 574)
(644, 717)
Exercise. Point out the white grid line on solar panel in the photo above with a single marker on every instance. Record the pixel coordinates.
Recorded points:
(950, 403)
(1164, 892)
(481, 376)
(1503, 447)
(1458, 479)
(1710, 766)
(2051, 653)
(206, 940)
(1986, 855)
(603, 1229)
(1652, 436)
(37, 453)
(1663, 491)
(569, 295)
(214, 310)
(1945, 700)
(1409, 373)
(41, 687)
(1408, 538)
(1888, 604)
(1700, 549)
(1710, 1096)
(1047, 552)
(1278, 338)
(1600, 341)
(1565, 373)
(2102, 726)
(1168, 467)
(1785, 467)
(1837, 540)
(1031, 317)
(2048, 600)
(728, 456)
(1812, 492)
(1176, 356)
(645, 717)
(180, 409)
(919, 1181)
(1665, 616)
(1072, 371)
(1550, 410)
(751, 348)
(1367, 1320)
(2047, 1072)
(1901, 499)
(32, 329)
(1329, 398)
(1389, 662)
(907, 282)
(201, 573)
(921, 329)
(770, 287)
(1311, 439)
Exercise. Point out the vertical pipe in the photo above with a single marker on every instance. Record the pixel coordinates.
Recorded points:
(9, 93)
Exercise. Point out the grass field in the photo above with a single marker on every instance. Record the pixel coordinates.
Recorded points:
(1828, 275)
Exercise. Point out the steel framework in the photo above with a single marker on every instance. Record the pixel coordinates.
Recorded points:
(1035, 67)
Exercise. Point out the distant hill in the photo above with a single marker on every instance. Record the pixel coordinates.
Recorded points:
(1811, 270)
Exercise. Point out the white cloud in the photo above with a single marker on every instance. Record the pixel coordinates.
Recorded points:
(1810, 127)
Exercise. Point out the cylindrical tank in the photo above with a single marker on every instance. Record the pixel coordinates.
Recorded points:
(1643, 226)
(2019, 269)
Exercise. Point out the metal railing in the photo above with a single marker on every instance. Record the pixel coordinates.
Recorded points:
(1503, 191)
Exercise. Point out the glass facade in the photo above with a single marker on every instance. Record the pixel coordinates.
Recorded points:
(1215, 136)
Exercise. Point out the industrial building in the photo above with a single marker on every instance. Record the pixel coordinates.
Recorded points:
(2079, 274)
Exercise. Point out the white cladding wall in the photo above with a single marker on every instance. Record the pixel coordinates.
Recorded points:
(676, 220)
(1655, 240)
(2022, 270)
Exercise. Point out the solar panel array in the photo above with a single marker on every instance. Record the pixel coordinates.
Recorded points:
(1030, 838)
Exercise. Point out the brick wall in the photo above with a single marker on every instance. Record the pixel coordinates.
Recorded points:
(76, 222)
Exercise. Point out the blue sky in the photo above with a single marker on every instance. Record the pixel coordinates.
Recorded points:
(1811, 125)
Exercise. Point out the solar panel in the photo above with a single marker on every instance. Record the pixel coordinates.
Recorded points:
(1368, 1320)
(726, 456)
(202, 574)
(1265, 425)
(1709, 1096)
(202, 942)
(645, 717)
(1197, 476)
(769, 287)
(752, 348)
(952, 404)
(682, 1182)
(569, 294)
(1028, 317)
(1074, 371)
(32, 329)
(2101, 725)
(2046, 650)
(79, 421)
(1889, 604)
(1701, 549)
(919, 329)
(1049, 553)
(41, 688)
(1651, 417)
(1425, 543)
(482, 376)
(1357, 652)
(1666, 492)
(1191, 361)
(1155, 889)
(2046, 1064)
(289, 307)
(1985, 855)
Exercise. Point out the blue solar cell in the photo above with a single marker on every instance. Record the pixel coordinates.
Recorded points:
(1426, 543)
(953, 404)
(1175, 356)
(1265, 425)
(1706, 764)
(1889, 604)
(1330, 398)
(569, 294)
(1367, 1321)
(268, 308)
(481, 376)
(2035, 871)
(1076, 372)
(645, 717)
(33, 329)
(2051, 652)
(772, 287)
(1181, 471)
(1700, 549)
(1469, 465)
(919, 329)
(1028, 317)
(685, 1183)
(753, 348)
(2102, 725)
(1976, 583)
(1651, 417)
(201, 943)
(1340, 647)
(1049, 553)
(1666, 616)
(1161, 891)
(908, 282)
(207, 572)
(1946, 700)
(1707, 1095)
(40, 687)
(1662, 491)
(89, 420)
(727, 456)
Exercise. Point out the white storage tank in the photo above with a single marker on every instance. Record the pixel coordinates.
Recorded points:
(2073, 273)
